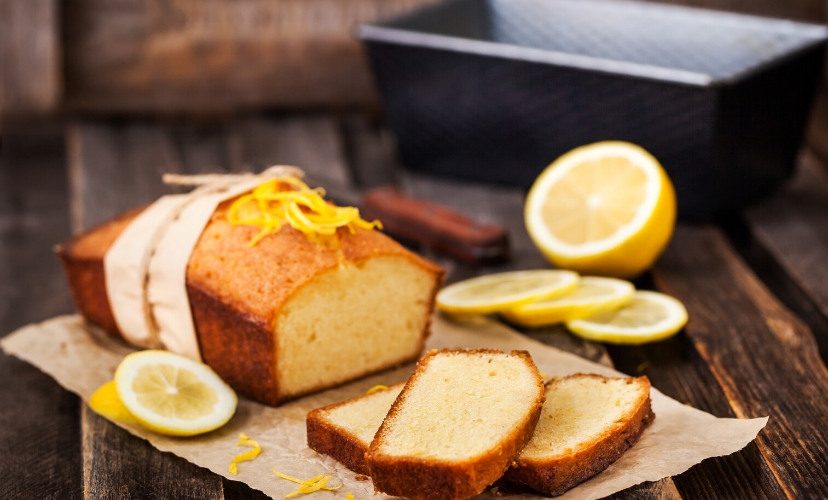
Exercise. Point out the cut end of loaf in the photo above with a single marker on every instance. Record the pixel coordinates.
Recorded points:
(458, 423)
(586, 423)
(355, 319)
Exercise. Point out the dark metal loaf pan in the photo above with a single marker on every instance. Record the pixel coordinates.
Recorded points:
(494, 90)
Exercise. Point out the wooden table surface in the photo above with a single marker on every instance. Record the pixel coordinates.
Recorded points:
(755, 284)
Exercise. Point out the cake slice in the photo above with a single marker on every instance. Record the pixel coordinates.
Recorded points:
(588, 421)
(458, 423)
(345, 430)
(287, 316)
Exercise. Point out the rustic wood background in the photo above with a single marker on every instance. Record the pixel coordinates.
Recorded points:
(208, 57)
(755, 282)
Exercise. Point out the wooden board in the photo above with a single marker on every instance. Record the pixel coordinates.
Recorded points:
(764, 359)
(39, 425)
(793, 227)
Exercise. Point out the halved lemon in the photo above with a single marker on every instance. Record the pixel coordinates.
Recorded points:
(501, 291)
(650, 316)
(174, 395)
(592, 295)
(606, 208)
(105, 402)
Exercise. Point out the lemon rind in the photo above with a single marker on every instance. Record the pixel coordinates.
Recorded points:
(125, 374)
(598, 332)
(567, 281)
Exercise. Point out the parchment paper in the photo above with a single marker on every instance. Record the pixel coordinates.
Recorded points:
(81, 358)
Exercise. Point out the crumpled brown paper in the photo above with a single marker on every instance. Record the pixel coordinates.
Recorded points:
(80, 358)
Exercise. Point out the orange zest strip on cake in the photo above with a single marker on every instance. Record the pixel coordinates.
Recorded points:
(307, 486)
(288, 200)
(250, 454)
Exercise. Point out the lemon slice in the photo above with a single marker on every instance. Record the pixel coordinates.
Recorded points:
(501, 291)
(174, 395)
(606, 208)
(105, 402)
(649, 317)
(592, 295)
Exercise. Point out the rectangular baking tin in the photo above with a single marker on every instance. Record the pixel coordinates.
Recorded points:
(494, 90)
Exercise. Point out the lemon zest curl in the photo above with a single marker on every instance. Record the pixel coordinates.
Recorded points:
(307, 486)
(250, 454)
(288, 200)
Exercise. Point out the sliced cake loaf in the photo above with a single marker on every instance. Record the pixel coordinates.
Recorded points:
(458, 423)
(588, 421)
(345, 430)
(276, 320)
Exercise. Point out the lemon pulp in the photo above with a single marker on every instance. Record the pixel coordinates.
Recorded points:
(174, 395)
(606, 208)
(592, 295)
(649, 316)
(501, 291)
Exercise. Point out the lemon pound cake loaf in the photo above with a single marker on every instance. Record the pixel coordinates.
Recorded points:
(458, 423)
(345, 430)
(281, 313)
(588, 421)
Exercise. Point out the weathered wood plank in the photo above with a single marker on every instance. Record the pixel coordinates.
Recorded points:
(117, 465)
(39, 429)
(764, 359)
(31, 77)
(116, 166)
(793, 227)
(369, 149)
(311, 142)
(173, 56)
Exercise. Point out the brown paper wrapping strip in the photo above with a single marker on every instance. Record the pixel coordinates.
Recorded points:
(146, 267)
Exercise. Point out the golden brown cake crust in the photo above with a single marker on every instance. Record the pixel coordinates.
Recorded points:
(82, 259)
(428, 478)
(235, 290)
(334, 441)
(555, 476)
(223, 262)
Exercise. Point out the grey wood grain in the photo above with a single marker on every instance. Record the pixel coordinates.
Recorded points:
(39, 428)
(117, 465)
(311, 142)
(115, 166)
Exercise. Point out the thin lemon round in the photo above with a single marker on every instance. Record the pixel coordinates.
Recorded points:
(501, 291)
(591, 296)
(173, 395)
(607, 208)
(649, 317)
(105, 402)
